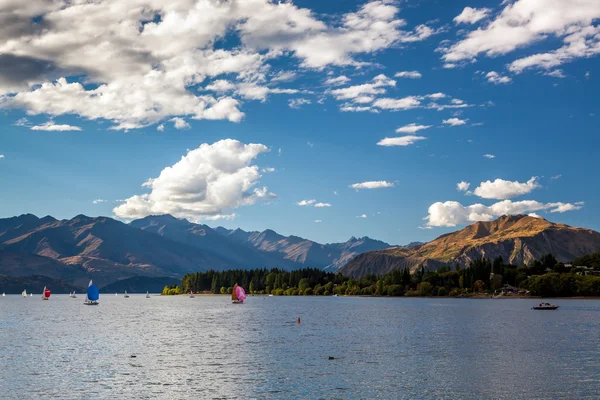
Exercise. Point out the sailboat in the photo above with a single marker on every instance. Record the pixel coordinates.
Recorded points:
(3, 294)
(24, 293)
(72, 295)
(46, 293)
(192, 295)
(238, 294)
(126, 295)
(30, 294)
(116, 295)
(92, 296)
(147, 295)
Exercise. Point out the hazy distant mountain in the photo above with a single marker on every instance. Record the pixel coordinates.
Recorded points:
(35, 284)
(519, 239)
(139, 284)
(303, 252)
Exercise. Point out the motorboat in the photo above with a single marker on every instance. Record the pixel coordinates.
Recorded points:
(545, 306)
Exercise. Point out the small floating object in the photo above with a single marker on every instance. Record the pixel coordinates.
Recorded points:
(545, 306)
(298, 319)
(238, 294)
(147, 295)
(331, 358)
(126, 295)
(192, 295)
(133, 356)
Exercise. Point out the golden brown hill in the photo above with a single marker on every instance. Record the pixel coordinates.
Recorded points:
(518, 239)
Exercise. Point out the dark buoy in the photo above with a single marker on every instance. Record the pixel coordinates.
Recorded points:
(132, 356)
(298, 319)
(331, 358)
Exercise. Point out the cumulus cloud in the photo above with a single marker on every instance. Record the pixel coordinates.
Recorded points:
(471, 15)
(400, 141)
(206, 183)
(496, 78)
(372, 185)
(524, 22)
(160, 128)
(534, 215)
(452, 213)
(138, 63)
(180, 123)
(321, 205)
(500, 189)
(269, 169)
(555, 177)
(412, 128)
(408, 74)
(1, 155)
(51, 126)
(490, 156)
(338, 80)
(297, 103)
(318, 221)
(455, 121)
(359, 93)
(98, 201)
(362, 216)
(304, 203)
(463, 186)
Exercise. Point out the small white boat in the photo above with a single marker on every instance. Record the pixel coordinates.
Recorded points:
(116, 295)
(126, 295)
(192, 295)
(24, 293)
(545, 306)
(72, 295)
(147, 295)
(3, 294)
(30, 294)
(336, 295)
(270, 295)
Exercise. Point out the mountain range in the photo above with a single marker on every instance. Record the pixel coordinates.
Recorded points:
(108, 250)
(518, 239)
(165, 247)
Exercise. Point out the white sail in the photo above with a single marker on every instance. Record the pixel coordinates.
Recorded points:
(24, 293)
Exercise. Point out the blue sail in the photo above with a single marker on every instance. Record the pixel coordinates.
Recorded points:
(93, 293)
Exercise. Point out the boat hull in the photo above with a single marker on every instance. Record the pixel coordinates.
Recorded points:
(545, 308)
(238, 302)
(90, 303)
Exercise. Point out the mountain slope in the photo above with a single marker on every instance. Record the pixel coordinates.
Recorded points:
(517, 239)
(109, 250)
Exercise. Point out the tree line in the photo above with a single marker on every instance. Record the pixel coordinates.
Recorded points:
(543, 277)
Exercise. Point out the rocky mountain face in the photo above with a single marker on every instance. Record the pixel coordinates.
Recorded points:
(518, 239)
(158, 246)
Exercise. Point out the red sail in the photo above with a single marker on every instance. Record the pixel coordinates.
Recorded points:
(47, 293)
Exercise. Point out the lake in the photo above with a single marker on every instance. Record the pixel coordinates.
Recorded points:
(207, 348)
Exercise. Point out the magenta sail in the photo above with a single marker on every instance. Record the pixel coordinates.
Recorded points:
(240, 293)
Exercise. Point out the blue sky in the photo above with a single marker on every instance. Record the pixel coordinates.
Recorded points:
(527, 97)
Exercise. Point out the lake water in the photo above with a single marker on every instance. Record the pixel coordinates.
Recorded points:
(207, 348)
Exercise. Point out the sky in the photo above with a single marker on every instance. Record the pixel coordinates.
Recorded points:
(398, 120)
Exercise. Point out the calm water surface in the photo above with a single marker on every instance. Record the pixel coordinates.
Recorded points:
(207, 348)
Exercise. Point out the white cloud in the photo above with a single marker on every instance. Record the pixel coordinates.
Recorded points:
(524, 22)
(408, 74)
(1, 155)
(490, 156)
(534, 215)
(557, 73)
(337, 81)
(297, 103)
(555, 177)
(318, 221)
(452, 213)
(455, 121)
(500, 189)
(400, 141)
(375, 87)
(267, 170)
(496, 78)
(284, 76)
(463, 186)
(160, 128)
(372, 185)
(363, 216)
(303, 203)
(471, 15)
(98, 201)
(310, 144)
(180, 123)
(405, 103)
(51, 126)
(205, 184)
(139, 63)
(412, 128)
(312, 203)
